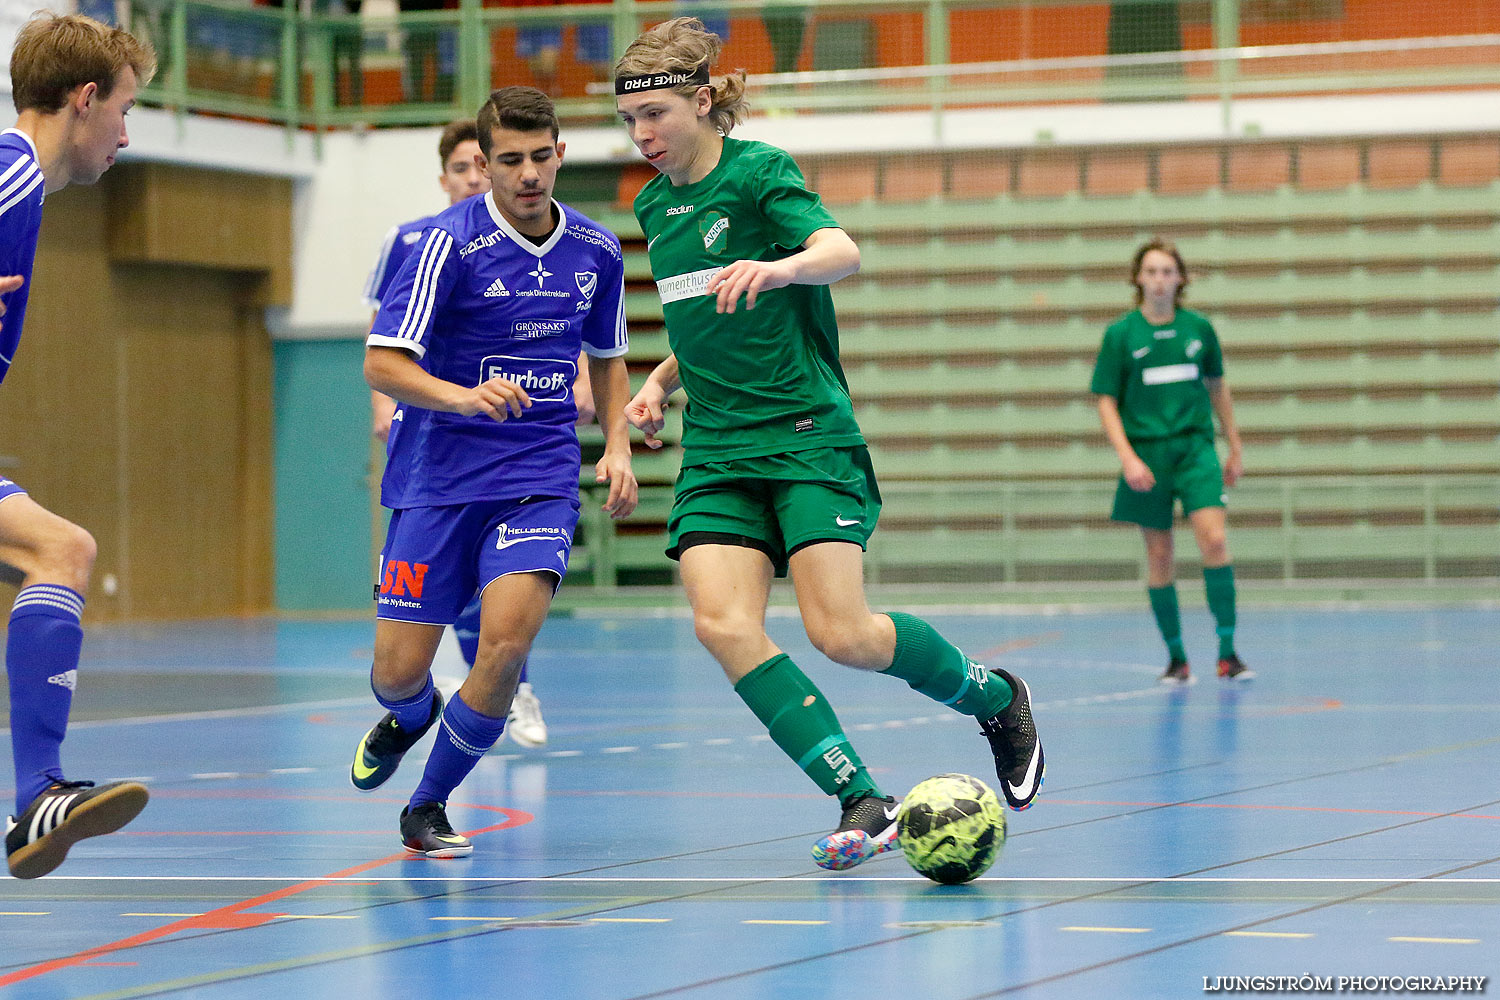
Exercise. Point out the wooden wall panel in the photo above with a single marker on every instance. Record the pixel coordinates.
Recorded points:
(140, 402)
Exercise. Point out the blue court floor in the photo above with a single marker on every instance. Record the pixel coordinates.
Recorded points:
(1337, 817)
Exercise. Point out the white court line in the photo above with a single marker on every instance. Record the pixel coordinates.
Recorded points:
(717, 879)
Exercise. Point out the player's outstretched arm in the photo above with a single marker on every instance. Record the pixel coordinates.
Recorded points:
(612, 385)
(1219, 398)
(646, 410)
(396, 373)
(828, 255)
(1137, 473)
(9, 284)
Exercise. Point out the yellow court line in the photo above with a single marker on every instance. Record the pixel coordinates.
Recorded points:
(1109, 930)
(630, 920)
(28, 913)
(1265, 934)
(787, 923)
(1421, 940)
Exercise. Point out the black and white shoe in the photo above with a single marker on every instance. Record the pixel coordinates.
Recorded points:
(1177, 672)
(425, 830)
(37, 841)
(381, 749)
(1019, 762)
(868, 828)
(1231, 669)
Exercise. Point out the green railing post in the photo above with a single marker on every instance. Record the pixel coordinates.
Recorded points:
(1288, 531)
(624, 27)
(291, 74)
(474, 56)
(1226, 36)
(177, 73)
(320, 59)
(938, 52)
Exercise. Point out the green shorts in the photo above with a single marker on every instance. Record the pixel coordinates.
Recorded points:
(1186, 469)
(776, 503)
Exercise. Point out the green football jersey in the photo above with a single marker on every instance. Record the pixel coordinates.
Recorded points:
(760, 381)
(1155, 373)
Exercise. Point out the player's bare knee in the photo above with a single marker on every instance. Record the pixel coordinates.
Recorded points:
(718, 632)
(1215, 549)
(501, 654)
(842, 643)
(66, 555)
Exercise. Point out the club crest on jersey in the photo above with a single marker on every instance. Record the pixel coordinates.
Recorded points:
(587, 282)
(715, 230)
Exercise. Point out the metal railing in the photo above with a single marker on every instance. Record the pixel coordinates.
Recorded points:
(337, 70)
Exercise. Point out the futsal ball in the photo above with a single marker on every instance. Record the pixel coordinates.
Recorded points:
(951, 828)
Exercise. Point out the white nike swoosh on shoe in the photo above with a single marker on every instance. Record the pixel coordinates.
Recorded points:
(892, 810)
(1027, 786)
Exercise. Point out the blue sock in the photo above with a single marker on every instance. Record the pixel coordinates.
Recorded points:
(463, 737)
(411, 713)
(41, 663)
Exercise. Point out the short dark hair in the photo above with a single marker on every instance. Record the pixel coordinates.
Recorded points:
(523, 109)
(1166, 247)
(56, 54)
(463, 130)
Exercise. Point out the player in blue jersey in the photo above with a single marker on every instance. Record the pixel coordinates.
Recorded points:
(462, 177)
(478, 338)
(72, 80)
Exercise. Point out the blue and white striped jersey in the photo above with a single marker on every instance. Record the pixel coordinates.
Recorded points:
(21, 190)
(476, 300)
(393, 253)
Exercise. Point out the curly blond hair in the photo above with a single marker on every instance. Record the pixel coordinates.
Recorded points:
(684, 45)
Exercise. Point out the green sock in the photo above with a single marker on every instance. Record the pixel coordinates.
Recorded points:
(803, 725)
(935, 667)
(1219, 583)
(1168, 618)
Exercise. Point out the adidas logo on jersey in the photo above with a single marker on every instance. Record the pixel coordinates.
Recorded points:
(497, 288)
(67, 679)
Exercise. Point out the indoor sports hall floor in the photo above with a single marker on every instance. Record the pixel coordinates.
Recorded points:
(1339, 816)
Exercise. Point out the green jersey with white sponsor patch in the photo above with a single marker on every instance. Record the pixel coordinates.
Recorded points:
(762, 381)
(1156, 372)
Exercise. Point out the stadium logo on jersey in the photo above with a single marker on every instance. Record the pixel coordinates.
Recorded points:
(714, 228)
(1194, 347)
(679, 210)
(546, 380)
(497, 288)
(540, 273)
(536, 329)
(480, 242)
(508, 536)
(587, 282)
(1165, 334)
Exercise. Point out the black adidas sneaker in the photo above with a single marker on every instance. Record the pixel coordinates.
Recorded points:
(1019, 763)
(868, 828)
(381, 749)
(425, 830)
(37, 841)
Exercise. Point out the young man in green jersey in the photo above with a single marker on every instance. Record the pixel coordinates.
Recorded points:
(1159, 382)
(775, 472)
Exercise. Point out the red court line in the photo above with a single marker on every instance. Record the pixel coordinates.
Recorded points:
(1025, 642)
(1267, 808)
(233, 916)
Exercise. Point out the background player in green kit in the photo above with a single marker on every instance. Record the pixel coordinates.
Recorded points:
(1159, 382)
(775, 473)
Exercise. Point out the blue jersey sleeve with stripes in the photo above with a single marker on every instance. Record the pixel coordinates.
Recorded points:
(21, 189)
(416, 293)
(394, 250)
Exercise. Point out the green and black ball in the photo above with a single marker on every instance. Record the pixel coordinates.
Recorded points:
(951, 828)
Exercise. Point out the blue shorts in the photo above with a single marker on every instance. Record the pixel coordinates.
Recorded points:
(435, 558)
(590, 42)
(9, 489)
